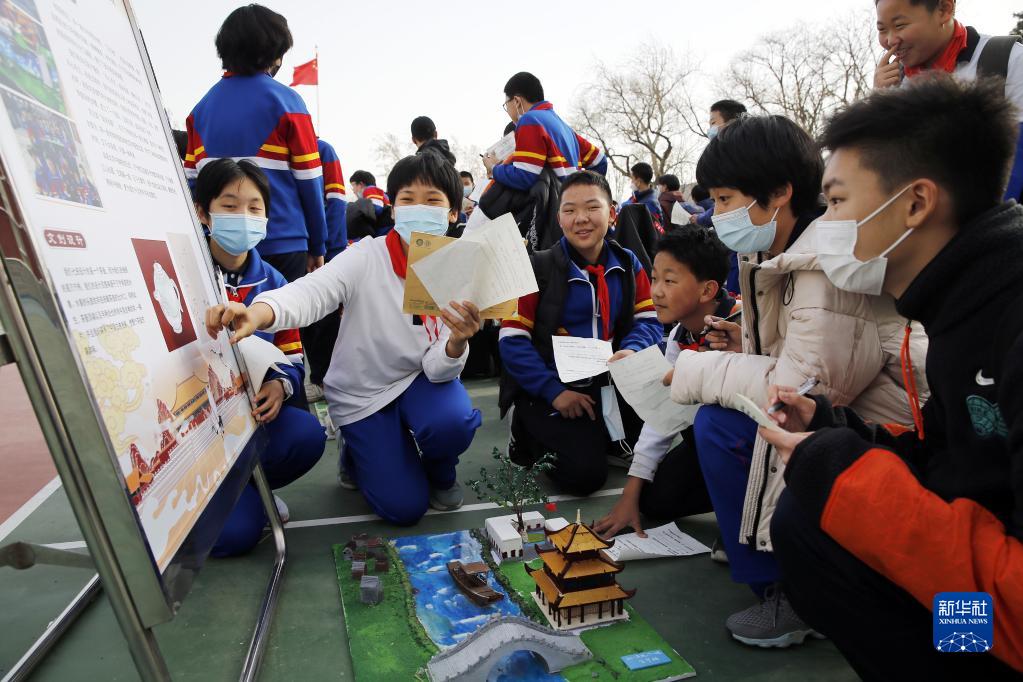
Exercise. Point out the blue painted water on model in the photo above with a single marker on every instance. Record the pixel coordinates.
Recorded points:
(446, 613)
(522, 666)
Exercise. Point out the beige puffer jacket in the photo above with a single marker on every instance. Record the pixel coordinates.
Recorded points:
(796, 325)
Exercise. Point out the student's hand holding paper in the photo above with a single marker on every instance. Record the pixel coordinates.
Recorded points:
(269, 401)
(798, 411)
(620, 354)
(572, 405)
(463, 323)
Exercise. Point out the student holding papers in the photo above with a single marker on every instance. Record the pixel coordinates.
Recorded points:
(392, 385)
(232, 199)
(688, 288)
(590, 288)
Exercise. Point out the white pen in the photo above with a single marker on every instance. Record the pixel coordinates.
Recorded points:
(803, 390)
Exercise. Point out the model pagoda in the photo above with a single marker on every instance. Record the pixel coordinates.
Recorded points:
(577, 584)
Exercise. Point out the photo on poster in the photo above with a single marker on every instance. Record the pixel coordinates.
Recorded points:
(26, 62)
(164, 291)
(52, 151)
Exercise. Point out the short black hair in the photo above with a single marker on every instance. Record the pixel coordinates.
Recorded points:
(670, 182)
(510, 128)
(589, 178)
(181, 142)
(931, 5)
(642, 171)
(699, 193)
(251, 39)
(363, 177)
(429, 169)
(467, 174)
(729, 109)
(524, 85)
(700, 250)
(758, 155)
(961, 135)
(218, 174)
(423, 128)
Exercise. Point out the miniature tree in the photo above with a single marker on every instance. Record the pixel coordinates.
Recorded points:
(513, 486)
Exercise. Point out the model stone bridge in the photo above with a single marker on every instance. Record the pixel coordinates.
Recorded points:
(472, 659)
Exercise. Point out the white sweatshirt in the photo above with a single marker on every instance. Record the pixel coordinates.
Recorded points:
(651, 447)
(379, 351)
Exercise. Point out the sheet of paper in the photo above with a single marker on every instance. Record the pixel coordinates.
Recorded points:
(477, 221)
(638, 378)
(260, 356)
(578, 358)
(504, 147)
(753, 411)
(679, 215)
(479, 189)
(663, 541)
(417, 299)
(486, 267)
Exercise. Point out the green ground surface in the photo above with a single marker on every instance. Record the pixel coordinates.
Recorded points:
(383, 644)
(686, 600)
(609, 642)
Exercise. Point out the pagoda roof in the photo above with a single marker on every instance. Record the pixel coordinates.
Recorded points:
(567, 568)
(580, 598)
(577, 538)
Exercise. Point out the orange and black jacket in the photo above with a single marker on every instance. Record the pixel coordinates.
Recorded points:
(940, 509)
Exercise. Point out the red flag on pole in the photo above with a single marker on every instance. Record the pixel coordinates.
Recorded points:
(306, 74)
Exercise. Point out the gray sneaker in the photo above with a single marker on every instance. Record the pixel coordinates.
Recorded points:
(345, 480)
(447, 500)
(717, 551)
(771, 623)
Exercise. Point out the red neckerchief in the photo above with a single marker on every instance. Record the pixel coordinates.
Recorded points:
(946, 61)
(603, 298)
(399, 261)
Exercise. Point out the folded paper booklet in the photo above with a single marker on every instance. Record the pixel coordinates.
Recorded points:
(490, 268)
(260, 355)
(753, 411)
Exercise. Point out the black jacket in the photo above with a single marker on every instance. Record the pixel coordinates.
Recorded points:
(439, 146)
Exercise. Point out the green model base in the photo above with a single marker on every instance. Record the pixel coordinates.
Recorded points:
(608, 643)
(387, 642)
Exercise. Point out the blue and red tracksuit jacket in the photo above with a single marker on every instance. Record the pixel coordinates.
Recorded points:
(256, 277)
(377, 197)
(334, 199)
(580, 317)
(266, 122)
(647, 198)
(543, 140)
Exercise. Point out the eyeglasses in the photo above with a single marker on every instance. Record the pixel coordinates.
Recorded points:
(505, 105)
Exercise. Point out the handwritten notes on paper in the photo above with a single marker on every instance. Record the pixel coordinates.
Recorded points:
(664, 541)
(753, 411)
(504, 147)
(489, 267)
(638, 378)
(579, 358)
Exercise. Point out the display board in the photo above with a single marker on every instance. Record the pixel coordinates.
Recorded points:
(89, 160)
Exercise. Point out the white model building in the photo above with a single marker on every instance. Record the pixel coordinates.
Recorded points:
(505, 540)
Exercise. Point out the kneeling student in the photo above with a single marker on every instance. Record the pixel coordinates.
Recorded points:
(688, 287)
(590, 287)
(392, 385)
(232, 199)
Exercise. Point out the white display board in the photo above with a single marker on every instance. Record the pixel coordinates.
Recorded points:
(84, 140)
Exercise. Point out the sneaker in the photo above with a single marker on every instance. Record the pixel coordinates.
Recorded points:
(313, 393)
(282, 509)
(717, 551)
(346, 481)
(771, 623)
(447, 500)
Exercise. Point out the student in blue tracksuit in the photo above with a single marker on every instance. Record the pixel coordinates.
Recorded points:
(642, 175)
(233, 200)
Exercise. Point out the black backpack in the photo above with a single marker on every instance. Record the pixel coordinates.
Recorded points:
(994, 60)
(550, 267)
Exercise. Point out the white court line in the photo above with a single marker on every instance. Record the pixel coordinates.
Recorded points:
(77, 544)
(15, 520)
(341, 520)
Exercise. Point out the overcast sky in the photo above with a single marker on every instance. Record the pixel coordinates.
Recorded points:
(382, 64)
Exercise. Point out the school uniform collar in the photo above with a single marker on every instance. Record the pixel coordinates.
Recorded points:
(542, 106)
(607, 258)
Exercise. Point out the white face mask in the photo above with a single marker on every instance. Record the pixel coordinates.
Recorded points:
(737, 231)
(712, 132)
(836, 246)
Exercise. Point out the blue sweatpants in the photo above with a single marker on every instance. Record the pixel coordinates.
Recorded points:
(724, 445)
(296, 442)
(381, 450)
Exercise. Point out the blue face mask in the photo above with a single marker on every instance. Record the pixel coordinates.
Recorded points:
(738, 233)
(237, 232)
(420, 218)
(712, 132)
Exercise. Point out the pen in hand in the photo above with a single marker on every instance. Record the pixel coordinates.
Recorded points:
(801, 391)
